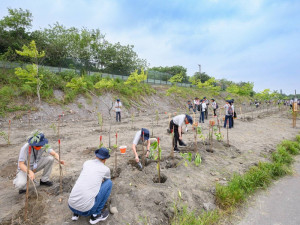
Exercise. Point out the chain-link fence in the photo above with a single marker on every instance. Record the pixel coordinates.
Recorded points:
(154, 77)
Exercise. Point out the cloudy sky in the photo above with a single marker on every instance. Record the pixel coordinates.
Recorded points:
(240, 40)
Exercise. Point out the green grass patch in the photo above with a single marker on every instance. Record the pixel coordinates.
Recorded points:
(238, 189)
(184, 217)
(258, 177)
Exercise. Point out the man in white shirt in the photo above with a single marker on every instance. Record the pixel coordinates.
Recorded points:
(202, 111)
(205, 100)
(92, 189)
(118, 106)
(141, 136)
(176, 126)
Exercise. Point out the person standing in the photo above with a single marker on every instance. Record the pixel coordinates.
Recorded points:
(202, 112)
(214, 106)
(234, 113)
(176, 126)
(205, 100)
(118, 106)
(190, 105)
(196, 104)
(228, 114)
(92, 189)
(38, 161)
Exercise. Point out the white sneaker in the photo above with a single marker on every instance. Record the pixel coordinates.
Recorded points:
(75, 217)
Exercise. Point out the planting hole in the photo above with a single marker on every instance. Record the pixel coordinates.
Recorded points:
(163, 178)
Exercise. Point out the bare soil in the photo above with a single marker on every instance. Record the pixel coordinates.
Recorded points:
(136, 194)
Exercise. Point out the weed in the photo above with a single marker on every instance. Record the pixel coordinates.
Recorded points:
(4, 135)
(186, 158)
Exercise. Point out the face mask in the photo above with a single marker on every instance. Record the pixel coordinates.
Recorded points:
(37, 147)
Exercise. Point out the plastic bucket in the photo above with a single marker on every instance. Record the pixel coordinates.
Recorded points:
(123, 149)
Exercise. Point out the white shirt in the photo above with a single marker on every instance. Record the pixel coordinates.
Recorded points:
(203, 106)
(118, 106)
(179, 120)
(137, 137)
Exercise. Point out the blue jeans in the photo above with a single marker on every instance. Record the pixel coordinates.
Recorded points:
(100, 200)
(201, 117)
(118, 114)
(229, 118)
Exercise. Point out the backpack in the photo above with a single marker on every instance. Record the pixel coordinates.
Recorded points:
(217, 106)
(230, 111)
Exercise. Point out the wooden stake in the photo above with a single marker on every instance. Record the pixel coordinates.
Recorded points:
(195, 136)
(8, 136)
(58, 127)
(143, 157)
(158, 160)
(227, 132)
(60, 169)
(100, 141)
(27, 185)
(116, 154)
(241, 112)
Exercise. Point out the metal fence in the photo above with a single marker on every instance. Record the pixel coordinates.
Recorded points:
(151, 78)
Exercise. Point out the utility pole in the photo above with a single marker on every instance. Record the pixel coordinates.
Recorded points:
(200, 71)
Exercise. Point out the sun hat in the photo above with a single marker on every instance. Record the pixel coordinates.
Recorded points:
(38, 140)
(189, 118)
(102, 153)
(146, 134)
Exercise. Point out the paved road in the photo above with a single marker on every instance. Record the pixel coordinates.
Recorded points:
(280, 205)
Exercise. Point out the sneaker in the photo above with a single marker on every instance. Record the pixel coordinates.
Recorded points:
(21, 191)
(46, 183)
(75, 217)
(176, 150)
(182, 144)
(101, 217)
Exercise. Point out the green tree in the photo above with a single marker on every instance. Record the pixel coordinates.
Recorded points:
(197, 77)
(210, 85)
(176, 79)
(173, 70)
(136, 78)
(14, 32)
(31, 74)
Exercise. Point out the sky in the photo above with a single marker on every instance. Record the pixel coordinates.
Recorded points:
(239, 40)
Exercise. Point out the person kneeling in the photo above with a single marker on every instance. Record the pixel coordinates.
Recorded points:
(92, 189)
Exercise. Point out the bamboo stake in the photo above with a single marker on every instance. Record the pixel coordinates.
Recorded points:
(8, 136)
(158, 160)
(227, 132)
(60, 169)
(195, 136)
(58, 127)
(143, 157)
(27, 184)
(29, 117)
(116, 154)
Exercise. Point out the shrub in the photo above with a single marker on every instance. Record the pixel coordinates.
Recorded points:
(282, 156)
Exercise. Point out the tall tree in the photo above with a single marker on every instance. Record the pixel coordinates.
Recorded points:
(14, 32)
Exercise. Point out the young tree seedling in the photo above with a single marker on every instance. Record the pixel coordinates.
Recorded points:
(100, 120)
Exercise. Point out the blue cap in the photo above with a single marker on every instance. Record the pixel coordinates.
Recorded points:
(102, 153)
(146, 134)
(38, 140)
(189, 118)
(118, 99)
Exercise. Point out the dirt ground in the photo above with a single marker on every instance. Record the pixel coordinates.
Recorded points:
(137, 198)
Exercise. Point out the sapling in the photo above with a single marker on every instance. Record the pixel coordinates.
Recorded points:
(218, 134)
(53, 128)
(186, 158)
(132, 119)
(198, 159)
(157, 117)
(100, 120)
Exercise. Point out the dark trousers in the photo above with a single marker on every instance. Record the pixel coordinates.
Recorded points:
(118, 115)
(174, 128)
(201, 117)
(206, 113)
(215, 112)
(229, 119)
